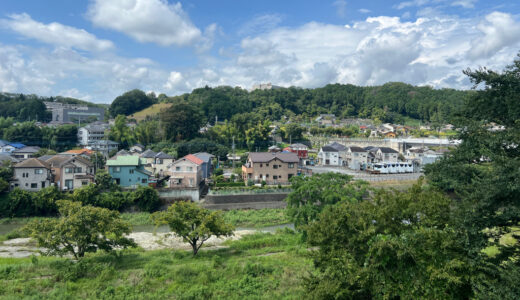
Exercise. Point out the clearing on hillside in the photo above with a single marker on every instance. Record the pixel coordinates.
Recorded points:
(150, 111)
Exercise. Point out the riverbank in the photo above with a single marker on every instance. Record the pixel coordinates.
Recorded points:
(258, 266)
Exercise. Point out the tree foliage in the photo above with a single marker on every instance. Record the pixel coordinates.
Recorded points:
(181, 121)
(146, 198)
(130, 102)
(80, 229)
(193, 223)
(398, 245)
(310, 195)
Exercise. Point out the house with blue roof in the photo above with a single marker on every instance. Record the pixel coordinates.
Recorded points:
(7, 147)
(128, 171)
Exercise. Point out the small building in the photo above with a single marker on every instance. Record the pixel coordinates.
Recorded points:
(31, 175)
(25, 152)
(71, 172)
(128, 171)
(161, 164)
(10, 147)
(273, 168)
(386, 154)
(329, 156)
(186, 172)
(206, 165)
(104, 147)
(137, 148)
(356, 158)
(86, 153)
(91, 133)
(8, 159)
(301, 150)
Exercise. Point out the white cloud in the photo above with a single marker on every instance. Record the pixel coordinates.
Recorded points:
(260, 24)
(341, 7)
(147, 21)
(406, 4)
(364, 10)
(175, 81)
(499, 30)
(464, 3)
(55, 33)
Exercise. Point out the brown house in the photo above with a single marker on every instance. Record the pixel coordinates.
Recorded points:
(273, 168)
(186, 172)
(71, 172)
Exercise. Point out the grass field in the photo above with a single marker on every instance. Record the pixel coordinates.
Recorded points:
(150, 111)
(259, 266)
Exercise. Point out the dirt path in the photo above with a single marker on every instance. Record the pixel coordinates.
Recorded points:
(25, 247)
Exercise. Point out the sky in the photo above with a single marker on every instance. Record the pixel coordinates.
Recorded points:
(96, 50)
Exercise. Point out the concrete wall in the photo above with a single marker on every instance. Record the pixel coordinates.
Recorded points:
(185, 193)
(245, 198)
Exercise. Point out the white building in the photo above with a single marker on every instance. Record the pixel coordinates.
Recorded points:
(90, 134)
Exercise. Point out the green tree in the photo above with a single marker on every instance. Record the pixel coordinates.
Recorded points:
(146, 198)
(181, 121)
(310, 195)
(104, 181)
(193, 223)
(80, 229)
(121, 133)
(397, 245)
(130, 102)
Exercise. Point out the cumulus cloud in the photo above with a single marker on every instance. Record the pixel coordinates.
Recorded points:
(499, 30)
(55, 33)
(147, 21)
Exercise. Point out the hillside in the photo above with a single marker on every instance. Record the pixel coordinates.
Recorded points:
(150, 111)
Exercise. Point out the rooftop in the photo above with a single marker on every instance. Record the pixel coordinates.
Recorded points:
(288, 157)
(32, 163)
(126, 160)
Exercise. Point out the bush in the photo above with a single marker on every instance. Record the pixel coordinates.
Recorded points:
(146, 198)
(229, 184)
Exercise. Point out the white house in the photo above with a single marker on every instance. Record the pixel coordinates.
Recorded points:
(356, 157)
(90, 134)
(329, 156)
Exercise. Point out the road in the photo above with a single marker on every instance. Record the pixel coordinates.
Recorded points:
(367, 177)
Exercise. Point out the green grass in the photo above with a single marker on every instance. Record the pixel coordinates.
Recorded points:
(150, 111)
(239, 218)
(260, 266)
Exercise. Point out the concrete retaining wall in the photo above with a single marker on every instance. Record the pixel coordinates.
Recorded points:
(245, 198)
(173, 194)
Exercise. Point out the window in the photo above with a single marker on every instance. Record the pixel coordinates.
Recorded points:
(190, 168)
(159, 161)
(177, 168)
(267, 165)
(291, 165)
(275, 177)
(77, 170)
(34, 185)
(143, 180)
(191, 181)
(260, 165)
(69, 184)
(69, 170)
(116, 169)
(38, 171)
(275, 166)
(291, 175)
(131, 171)
(84, 182)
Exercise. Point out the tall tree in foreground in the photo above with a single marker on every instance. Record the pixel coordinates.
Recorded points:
(80, 229)
(193, 223)
(484, 170)
(398, 245)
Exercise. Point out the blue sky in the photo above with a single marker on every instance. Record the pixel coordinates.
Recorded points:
(96, 49)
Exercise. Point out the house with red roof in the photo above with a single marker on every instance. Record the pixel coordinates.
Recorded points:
(186, 172)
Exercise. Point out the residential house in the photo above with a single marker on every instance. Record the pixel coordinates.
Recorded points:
(148, 158)
(329, 156)
(121, 152)
(386, 154)
(390, 135)
(273, 168)
(86, 153)
(326, 119)
(161, 164)
(186, 172)
(31, 175)
(25, 152)
(71, 172)
(90, 134)
(301, 150)
(8, 159)
(10, 147)
(104, 147)
(356, 158)
(128, 171)
(206, 163)
(137, 148)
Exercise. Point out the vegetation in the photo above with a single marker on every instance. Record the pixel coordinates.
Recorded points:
(181, 121)
(150, 112)
(193, 223)
(80, 229)
(242, 271)
(131, 102)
